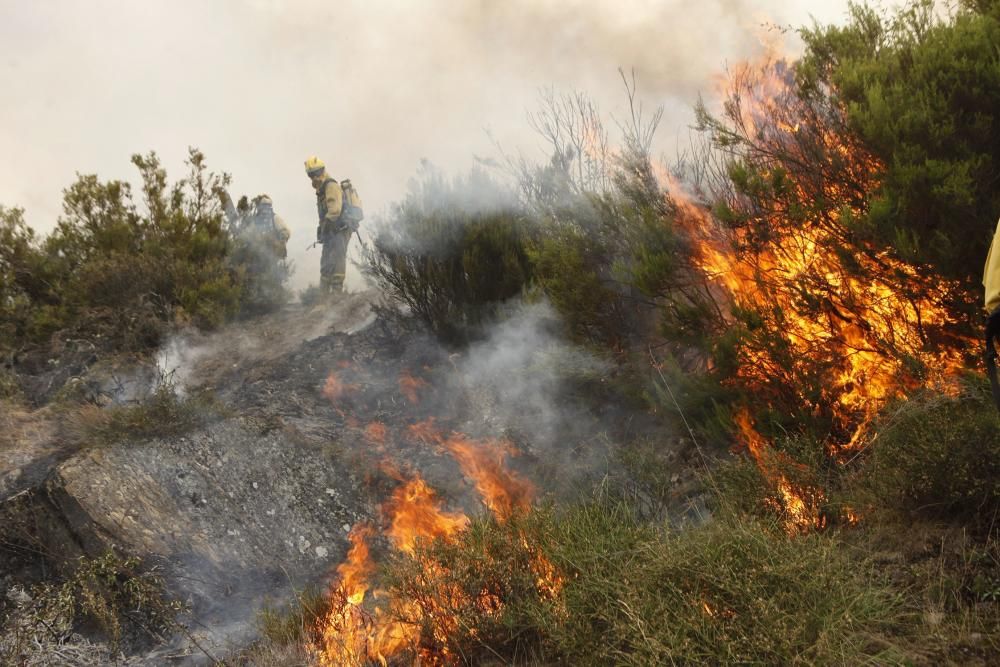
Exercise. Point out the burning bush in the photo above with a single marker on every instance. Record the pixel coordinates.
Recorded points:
(731, 591)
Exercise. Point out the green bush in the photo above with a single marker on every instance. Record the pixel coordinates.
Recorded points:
(293, 623)
(937, 455)
(162, 414)
(922, 90)
(452, 252)
(119, 597)
(731, 591)
(123, 272)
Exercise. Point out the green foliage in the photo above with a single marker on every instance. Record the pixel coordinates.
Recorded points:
(294, 622)
(923, 94)
(630, 594)
(120, 272)
(162, 414)
(116, 596)
(567, 265)
(939, 456)
(452, 252)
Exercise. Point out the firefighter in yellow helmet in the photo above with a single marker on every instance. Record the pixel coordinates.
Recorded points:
(332, 232)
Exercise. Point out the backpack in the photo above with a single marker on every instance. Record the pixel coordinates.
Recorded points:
(350, 212)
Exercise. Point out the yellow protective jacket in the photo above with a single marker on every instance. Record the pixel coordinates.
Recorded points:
(329, 202)
(281, 229)
(991, 273)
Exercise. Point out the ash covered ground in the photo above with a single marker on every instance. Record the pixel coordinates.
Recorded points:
(316, 418)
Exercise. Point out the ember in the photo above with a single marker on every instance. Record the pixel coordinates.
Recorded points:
(350, 634)
(410, 386)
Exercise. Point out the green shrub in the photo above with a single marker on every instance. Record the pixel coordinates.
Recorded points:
(120, 598)
(922, 89)
(124, 272)
(452, 252)
(567, 270)
(730, 591)
(937, 455)
(162, 414)
(293, 623)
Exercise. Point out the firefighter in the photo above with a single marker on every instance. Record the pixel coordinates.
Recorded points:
(333, 233)
(257, 222)
(269, 225)
(991, 283)
(991, 274)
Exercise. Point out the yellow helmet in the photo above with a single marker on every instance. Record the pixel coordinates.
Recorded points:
(314, 166)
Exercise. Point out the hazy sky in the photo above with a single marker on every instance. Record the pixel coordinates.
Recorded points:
(369, 86)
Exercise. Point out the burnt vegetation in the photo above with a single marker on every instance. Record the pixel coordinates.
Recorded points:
(797, 296)
(805, 283)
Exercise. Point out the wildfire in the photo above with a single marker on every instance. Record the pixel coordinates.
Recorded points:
(335, 388)
(351, 635)
(846, 328)
(410, 386)
(502, 490)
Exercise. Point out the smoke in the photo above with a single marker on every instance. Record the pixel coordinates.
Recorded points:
(528, 370)
(372, 88)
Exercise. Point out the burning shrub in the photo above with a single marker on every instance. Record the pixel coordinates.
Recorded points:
(937, 455)
(476, 597)
(726, 592)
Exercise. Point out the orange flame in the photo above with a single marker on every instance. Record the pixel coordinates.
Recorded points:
(349, 634)
(856, 330)
(410, 386)
(376, 433)
(416, 514)
(335, 388)
(354, 571)
(483, 461)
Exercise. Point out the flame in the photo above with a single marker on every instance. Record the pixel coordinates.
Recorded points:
(483, 461)
(355, 571)
(349, 634)
(417, 515)
(376, 433)
(335, 388)
(845, 331)
(410, 386)
(799, 507)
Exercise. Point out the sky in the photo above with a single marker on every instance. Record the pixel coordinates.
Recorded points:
(370, 86)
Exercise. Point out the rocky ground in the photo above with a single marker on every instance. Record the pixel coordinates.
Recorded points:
(311, 416)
